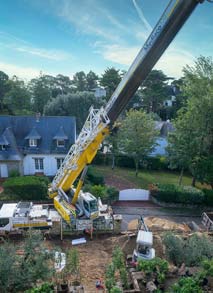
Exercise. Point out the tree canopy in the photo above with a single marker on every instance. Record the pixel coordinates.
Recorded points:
(191, 145)
(137, 135)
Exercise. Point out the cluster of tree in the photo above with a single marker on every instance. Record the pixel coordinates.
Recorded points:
(191, 145)
(43, 94)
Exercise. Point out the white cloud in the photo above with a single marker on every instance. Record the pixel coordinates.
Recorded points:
(171, 63)
(119, 54)
(22, 72)
(56, 55)
(11, 42)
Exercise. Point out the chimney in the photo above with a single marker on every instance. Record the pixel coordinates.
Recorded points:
(38, 115)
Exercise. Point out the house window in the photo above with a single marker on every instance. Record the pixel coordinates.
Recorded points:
(2, 148)
(60, 143)
(59, 162)
(39, 164)
(33, 142)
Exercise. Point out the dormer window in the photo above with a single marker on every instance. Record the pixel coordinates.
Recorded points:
(60, 137)
(3, 142)
(33, 142)
(60, 143)
(33, 137)
(2, 147)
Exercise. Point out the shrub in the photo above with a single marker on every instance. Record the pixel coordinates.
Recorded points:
(191, 251)
(154, 266)
(112, 194)
(208, 197)
(14, 173)
(174, 248)
(93, 177)
(155, 163)
(185, 285)
(27, 187)
(106, 193)
(99, 191)
(124, 161)
(177, 194)
(116, 290)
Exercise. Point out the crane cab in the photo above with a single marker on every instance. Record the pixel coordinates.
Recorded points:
(87, 204)
(144, 244)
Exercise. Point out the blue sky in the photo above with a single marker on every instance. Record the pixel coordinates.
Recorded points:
(66, 36)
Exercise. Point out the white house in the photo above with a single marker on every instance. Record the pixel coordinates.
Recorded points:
(33, 145)
(99, 92)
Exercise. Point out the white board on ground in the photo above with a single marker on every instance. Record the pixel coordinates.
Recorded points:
(79, 241)
(134, 194)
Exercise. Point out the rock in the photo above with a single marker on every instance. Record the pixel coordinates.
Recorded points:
(150, 286)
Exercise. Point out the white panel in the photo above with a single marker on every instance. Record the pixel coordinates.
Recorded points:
(134, 194)
(3, 170)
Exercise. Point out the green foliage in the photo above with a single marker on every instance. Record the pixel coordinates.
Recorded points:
(44, 288)
(156, 266)
(115, 290)
(154, 91)
(124, 277)
(73, 262)
(172, 193)
(93, 177)
(118, 264)
(27, 187)
(208, 197)
(73, 104)
(21, 272)
(208, 267)
(190, 146)
(155, 163)
(110, 79)
(110, 277)
(106, 193)
(99, 191)
(186, 285)
(136, 136)
(14, 173)
(112, 194)
(190, 251)
(125, 161)
(118, 258)
(174, 248)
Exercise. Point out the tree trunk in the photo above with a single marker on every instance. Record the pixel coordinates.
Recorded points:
(136, 168)
(193, 181)
(113, 161)
(181, 176)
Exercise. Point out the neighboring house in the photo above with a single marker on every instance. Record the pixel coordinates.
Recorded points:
(173, 92)
(164, 128)
(34, 145)
(99, 92)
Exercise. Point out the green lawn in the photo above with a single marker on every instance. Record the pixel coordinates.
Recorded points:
(145, 177)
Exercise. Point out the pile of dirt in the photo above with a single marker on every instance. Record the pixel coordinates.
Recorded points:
(160, 224)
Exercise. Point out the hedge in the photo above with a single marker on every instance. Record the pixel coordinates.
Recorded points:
(27, 187)
(208, 197)
(177, 194)
(93, 177)
(151, 163)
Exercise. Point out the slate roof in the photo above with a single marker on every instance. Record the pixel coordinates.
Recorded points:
(60, 135)
(17, 130)
(33, 134)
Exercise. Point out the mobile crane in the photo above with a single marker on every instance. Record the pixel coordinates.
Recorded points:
(100, 123)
